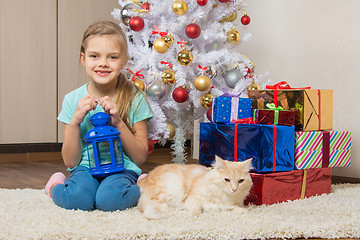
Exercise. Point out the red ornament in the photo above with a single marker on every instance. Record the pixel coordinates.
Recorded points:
(202, 2)
(136, 24)
(180, 94)
(245, 20)
(208, 114)
(145, 6)
(193, 30)
(151, 146)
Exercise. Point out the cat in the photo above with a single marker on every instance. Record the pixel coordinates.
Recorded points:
(195, 188)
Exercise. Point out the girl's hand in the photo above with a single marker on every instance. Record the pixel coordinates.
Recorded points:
(85, 105)
(110, 108)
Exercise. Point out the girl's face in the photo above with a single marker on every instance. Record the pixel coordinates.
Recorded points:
(101, 60)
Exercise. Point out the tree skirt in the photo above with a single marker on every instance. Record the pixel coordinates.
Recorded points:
(30, 214)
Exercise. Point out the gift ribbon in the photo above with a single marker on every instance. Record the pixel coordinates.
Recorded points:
(281, 85)
(319, 115)
(276, 110)
(303, 186)
(326, 149)
(137, 74)
(274, 146)
(162, 34)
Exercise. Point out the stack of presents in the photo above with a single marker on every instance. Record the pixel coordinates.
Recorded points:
(288, 134)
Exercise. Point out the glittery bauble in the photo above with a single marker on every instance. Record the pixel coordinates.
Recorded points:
(160, 45)
(232, 36)
(168, 77)
(145, 6)
(232, 77)
(193, 30)
(126, 12)
(172, 131)
(140, 84)
(206, 99)
(202, 2)
(169, 39)
(156, 89)
(245, 20)
(136, 24)
(179, 7)
(202, 83)
(253, 86)
(229, 18)
(184, 57)
(180, 94)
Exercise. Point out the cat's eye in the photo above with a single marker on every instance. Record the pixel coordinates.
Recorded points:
(227, 180)
(241, 180)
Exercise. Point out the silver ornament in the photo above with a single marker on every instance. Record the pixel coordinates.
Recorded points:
(126, 13)
(156, 89)
(232, 77)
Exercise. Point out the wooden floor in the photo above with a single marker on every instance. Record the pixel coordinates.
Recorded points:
(32, 170)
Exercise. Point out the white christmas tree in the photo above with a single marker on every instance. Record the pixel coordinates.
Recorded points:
(184, 53)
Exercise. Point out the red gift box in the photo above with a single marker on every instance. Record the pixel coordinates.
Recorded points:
(284, 186)
(265, 116)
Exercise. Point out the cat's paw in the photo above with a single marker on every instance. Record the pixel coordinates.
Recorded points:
(239, 210)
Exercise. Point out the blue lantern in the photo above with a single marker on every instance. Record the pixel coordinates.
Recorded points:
(104, 147)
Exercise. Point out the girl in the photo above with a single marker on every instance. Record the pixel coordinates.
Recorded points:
(103, 54)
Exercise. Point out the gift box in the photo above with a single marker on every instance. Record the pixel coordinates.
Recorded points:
(313, 107)
(317, 149)
(226, 109)
(270, 146)
(287, 186)
(274, 115)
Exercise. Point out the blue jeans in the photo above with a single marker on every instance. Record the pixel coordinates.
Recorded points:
(82, 191)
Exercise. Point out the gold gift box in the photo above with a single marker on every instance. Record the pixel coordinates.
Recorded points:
(313, 107)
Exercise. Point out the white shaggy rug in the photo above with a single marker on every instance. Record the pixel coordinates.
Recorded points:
(30, 214)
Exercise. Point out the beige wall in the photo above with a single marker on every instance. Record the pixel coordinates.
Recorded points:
(312, 43)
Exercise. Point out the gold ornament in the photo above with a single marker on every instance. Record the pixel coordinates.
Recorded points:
(253, 86)
(232, 36)
(184, 57)
(168, 77)
(179, 7)
(140, 84)
(206, 99)
(160, 45)
(229, 18)
(202, 83)
(171, 129)
(169, 39)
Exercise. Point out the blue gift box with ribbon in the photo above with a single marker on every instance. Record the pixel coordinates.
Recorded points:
(227, 107)
(270, 146)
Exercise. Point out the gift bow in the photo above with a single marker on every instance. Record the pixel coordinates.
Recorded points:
(227, 93)
(167, 64)
(276, 110)
(137, 74)
(248, 120)
(283, 85)
(162, 34)
(181, 43)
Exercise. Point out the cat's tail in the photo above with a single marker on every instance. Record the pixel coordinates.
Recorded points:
(152, 209)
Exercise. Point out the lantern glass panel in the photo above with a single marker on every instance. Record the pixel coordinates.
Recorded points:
(91, 155)
(104, 153)
(117, 151)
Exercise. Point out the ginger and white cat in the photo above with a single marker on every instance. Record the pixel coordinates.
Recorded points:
(195, 188)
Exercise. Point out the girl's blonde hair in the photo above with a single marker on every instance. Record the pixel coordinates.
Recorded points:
(125, 89)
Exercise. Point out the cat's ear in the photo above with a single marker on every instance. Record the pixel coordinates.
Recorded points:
(247, 164)
(219, 162)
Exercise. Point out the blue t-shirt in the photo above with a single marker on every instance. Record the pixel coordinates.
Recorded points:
(139, 110)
